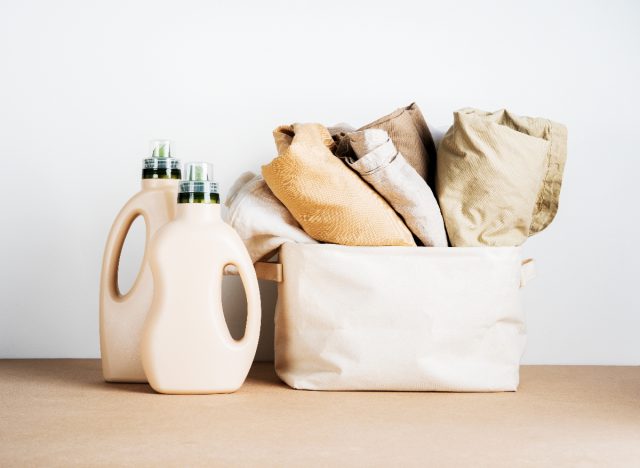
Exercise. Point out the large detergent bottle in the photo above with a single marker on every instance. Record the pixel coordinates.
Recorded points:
(122, 316)
(186, 345)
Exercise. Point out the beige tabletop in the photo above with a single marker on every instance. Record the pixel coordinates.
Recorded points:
(61, 413)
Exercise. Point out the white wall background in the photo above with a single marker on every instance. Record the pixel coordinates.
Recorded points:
(84, 85)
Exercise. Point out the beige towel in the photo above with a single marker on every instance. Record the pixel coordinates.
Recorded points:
(499, 177)
(330, 201)
(263, 223)
(381, 165)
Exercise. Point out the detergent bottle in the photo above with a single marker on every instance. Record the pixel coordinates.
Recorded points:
(122, 316)
(186, 346)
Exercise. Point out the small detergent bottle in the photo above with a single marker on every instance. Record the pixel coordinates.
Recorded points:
(186, 345)
(122, 316)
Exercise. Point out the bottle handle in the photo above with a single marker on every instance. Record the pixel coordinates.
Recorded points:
(252, 292)
(113, 249)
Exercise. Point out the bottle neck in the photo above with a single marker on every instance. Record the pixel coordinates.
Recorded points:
(200, 212)
(155, 184)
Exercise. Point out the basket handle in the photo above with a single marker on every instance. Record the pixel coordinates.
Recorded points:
(273, 271)
(527, 271)
(264, 271)
(269, 271)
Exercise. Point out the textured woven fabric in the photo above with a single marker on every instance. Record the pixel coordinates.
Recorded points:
(330, 201)
(409, 132)
(386, 170)
(262, 222)
(499, 177)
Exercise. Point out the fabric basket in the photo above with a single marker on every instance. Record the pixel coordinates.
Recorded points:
(399, 318)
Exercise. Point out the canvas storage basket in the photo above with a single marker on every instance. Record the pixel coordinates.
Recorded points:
(399, 318)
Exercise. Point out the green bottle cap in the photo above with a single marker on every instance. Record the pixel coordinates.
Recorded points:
(161, 156)
(199, 179)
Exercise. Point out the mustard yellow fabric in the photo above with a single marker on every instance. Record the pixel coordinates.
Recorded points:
(499, 176)
(330, 201)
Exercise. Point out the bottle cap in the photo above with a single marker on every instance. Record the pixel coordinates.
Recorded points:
(161, 156)
(199, 179)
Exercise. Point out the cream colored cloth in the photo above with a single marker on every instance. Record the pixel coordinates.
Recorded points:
(330, 201)
(381, 165)
(263, 223)
(499, 177)
(390, 318)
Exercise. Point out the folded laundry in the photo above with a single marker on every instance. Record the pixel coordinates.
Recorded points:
(410, 134)
(261, 220)
(331, 203)
(499, 176)
(380, 164)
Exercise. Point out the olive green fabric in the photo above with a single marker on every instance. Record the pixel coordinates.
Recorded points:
(499, 177)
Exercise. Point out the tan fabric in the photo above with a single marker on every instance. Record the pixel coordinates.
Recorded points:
(409, 132)
(499, 177)
(260, 219)
(386, 170)
(331, 203)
